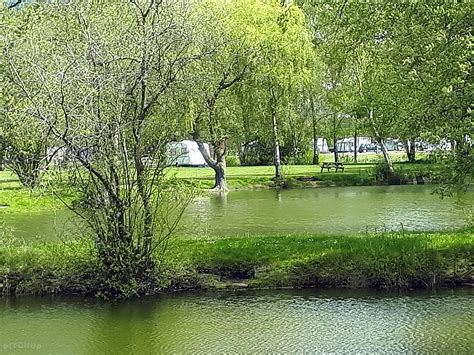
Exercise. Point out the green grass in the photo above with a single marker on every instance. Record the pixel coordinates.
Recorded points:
(390, 260)
(381, 260)
(8, 180)
(48, 268)
(23, 200)
(243, 177)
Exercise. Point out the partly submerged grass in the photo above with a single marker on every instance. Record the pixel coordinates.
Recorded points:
(23, 200)
(390, 260)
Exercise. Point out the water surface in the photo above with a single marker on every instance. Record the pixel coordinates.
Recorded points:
(252, 322)
(327, 210)
(317, 210)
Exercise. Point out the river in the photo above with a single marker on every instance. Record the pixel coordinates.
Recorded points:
(273, 211)
(243, 322)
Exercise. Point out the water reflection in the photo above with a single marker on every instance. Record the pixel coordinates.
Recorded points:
(281, 211)
(116, 325)
(328, 210)
(279, 195)
(219, 199)
(255, 322)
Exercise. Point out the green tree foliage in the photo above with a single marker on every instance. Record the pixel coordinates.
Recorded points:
(99, 82)
(406, 67)
(261, 50)
(22, 138)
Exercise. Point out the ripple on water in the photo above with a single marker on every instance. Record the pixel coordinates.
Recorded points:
(252, 322)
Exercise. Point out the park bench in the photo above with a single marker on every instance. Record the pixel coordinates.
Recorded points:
(330, 165)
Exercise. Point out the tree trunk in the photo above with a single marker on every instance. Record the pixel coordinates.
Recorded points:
(315, 144)
(406, 145)
(355, 146)
(410, 149)
(315, 139)
(27, 169)
(386, 155)
(243, 153)
(453, 144)
(220, 182)
(381, 142)
(315, 152)
(2, 156)
(219, 147)
(277, 160)
(336, 155)
(218, 165)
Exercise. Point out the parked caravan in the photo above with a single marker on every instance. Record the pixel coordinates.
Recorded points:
(346, 145)
(186, 153)
(321, 145)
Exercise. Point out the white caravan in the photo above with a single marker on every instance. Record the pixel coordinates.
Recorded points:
(186, 153)
(321, 145)
(346, 145)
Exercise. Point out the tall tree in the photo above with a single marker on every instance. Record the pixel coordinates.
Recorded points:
(286, 66)
(98, 81)
(247, 37)
(25, 140)
(231, 34)
(409, 64)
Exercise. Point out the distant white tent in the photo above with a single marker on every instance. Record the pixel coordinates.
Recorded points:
(186, 153)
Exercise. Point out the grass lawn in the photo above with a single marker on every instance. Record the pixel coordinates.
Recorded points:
(359, 260)
(366, 162)
(296, 175)
(240, 177)
(8, 180)
(233, 172)
(389, 260)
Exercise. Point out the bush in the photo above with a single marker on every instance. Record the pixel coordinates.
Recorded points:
(232, 160)
(381, 173)
(457, 170)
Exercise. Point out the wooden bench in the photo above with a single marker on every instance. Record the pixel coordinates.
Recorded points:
(331, 165)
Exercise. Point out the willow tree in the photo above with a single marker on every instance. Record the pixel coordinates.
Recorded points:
(408, 65)
(354, 40)
(233, 34)
(99, 82)
(432, 54)
(226, 35)
(284, 68)
(247, 42)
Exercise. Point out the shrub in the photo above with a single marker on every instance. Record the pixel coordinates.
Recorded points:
(232, 160)
(381, 173)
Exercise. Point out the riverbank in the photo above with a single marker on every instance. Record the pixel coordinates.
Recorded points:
(301, 176)
(251, 177)
(388, 261)
(15, 199)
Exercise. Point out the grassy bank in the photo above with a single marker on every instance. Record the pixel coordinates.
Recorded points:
(21, 200)
(391, 260)
(245, 177)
